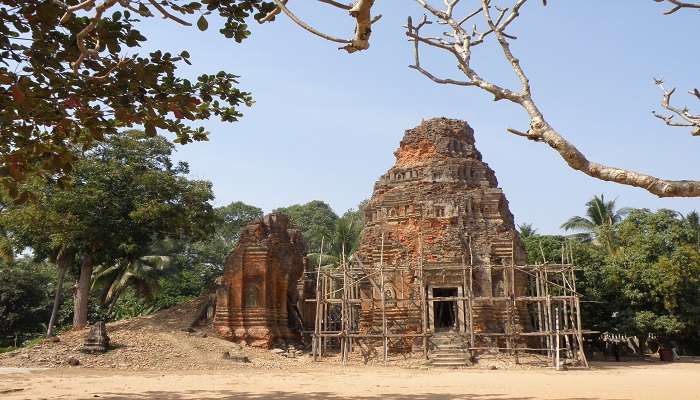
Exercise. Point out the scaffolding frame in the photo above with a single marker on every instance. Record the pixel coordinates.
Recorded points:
(552, 301)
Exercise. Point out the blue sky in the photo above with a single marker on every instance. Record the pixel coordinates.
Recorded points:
(325, 123)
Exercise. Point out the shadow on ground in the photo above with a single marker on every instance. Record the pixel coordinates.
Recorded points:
(279, 395)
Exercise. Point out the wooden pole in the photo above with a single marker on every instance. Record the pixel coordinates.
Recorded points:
(579, 336)
(381, 274)
(344, 310)
(514, 305)
(465, 305)
(423, 305)
(317, 325)
(540, 318)
(472, 341)
(557, 364)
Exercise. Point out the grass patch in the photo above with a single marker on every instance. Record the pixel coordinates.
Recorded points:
(27, 343)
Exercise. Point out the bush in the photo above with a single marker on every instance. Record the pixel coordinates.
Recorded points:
(25, 301)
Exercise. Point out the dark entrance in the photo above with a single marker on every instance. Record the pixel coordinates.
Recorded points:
(444, 312)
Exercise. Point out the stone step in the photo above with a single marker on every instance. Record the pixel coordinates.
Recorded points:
(449, 360)
(449, 356)
(450, 346)
(442, 350)
(451, 364)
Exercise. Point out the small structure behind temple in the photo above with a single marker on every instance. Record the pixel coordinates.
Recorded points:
(257, 297)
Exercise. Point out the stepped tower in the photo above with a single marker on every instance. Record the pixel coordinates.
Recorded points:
(437, 210)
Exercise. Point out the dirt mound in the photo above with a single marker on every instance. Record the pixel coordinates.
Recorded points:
(158, 341)
(161, 341)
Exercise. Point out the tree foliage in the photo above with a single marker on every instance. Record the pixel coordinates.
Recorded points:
(234, 217)
(175, 270)
(316, 220)
(25, 300)
(649, 285)
(124, 196)
(598, 224)
(65, 81)
(655, 277)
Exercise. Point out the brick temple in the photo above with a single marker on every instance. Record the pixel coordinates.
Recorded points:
(439, 209)
(257, 297)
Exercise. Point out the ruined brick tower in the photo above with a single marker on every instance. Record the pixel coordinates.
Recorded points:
(256, 302)
(439, 208)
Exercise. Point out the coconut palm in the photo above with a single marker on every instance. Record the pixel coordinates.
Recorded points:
(526, 230)
(140, 273)
(597, 226)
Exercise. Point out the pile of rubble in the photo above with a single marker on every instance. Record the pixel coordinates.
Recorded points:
(160, 341)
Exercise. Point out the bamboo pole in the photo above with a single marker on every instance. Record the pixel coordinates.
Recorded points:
(465, 297)
(540, 318)
(557, 364)
(472, 342)
(579, 336)
(344, 311)
(381, 272)
(514, 305)
(317, 321)
(424, 306)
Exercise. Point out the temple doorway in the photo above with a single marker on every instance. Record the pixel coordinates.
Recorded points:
(444, 312)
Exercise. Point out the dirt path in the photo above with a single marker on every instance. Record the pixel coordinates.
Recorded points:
(606, 381)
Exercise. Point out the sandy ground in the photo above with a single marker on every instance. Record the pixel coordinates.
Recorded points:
(155, 357)
(640, 380)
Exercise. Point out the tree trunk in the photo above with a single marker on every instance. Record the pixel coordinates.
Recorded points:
(82, 294)
(62, 266)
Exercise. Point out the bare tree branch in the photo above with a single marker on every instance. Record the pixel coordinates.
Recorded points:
(540, 130)
(82, 36)
(86, 33)
(691, 120)
(337, 4)
(282, 6)
(414, 33)
(360, 11)
(678, 5)
(168, 15)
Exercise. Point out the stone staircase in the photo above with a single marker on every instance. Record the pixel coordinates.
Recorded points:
(449, 351)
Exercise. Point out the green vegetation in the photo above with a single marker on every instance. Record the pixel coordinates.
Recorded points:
(136, 235)
(317, 221)
(598, 225)
(71, 76)
(644, 278)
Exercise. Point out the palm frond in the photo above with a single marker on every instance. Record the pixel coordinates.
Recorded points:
(578, 223)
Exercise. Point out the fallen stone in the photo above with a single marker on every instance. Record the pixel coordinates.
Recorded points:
(240, 359)
(71, 360)
(277, 351)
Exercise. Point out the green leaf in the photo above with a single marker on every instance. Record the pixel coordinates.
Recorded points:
(202, 23)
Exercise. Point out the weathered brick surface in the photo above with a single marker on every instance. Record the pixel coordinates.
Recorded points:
(257, 296)
(441, 190)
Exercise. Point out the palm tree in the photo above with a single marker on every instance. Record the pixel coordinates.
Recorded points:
(526, 230)
(597, 226)
(141, 273)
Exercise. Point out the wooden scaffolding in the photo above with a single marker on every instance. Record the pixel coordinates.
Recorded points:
(552, 303)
